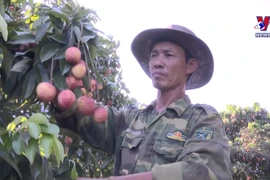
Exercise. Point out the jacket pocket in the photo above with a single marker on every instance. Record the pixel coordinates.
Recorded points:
(167, 150)
(130, 149)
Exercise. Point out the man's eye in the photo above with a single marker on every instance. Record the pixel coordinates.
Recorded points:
(152, 55)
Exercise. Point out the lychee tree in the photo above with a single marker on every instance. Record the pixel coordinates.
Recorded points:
(49, 51)
(248, 130)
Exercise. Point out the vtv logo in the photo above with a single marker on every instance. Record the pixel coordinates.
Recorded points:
(262, 23)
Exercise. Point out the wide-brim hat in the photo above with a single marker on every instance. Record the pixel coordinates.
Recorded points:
(142, 43)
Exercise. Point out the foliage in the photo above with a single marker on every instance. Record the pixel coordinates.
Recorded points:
(248, 130)
(34, 37)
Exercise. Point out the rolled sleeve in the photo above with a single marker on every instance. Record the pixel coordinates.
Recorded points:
(206, 155)
(102, 135)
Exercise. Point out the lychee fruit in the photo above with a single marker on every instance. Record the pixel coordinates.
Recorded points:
(108, 72)
(79, 71)
(82, 62)
(86, 105)
(118, 65)
(90, 94)
(73, 55)
(66, 99)
(100, 87)
(100, 114)
(71, 82)
(83, 91)
(68, 140)
(79, 83)
(46, 92)
(109, 103)
(93, 85)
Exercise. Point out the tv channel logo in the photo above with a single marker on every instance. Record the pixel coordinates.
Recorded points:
(262, 25)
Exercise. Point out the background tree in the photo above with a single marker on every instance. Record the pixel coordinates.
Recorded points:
(248, 130)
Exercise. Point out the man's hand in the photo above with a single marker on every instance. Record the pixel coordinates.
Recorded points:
(139, 176)
(92, 179)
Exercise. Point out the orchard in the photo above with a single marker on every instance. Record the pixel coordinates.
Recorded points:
(52, 55)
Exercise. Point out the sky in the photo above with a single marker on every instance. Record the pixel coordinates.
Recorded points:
(241, 72)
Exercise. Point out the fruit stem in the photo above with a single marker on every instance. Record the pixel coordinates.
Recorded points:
(89, 55)
(51, 71)
(79, 40)
(87, 67)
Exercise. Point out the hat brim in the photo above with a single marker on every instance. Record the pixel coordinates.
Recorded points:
(140, 47)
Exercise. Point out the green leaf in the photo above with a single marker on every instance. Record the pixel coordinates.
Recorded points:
(59, 14)
(83, 13)
(38, 48)
(2, 9)
(84, 39)
(93, 51)
(7, 157)
(50, 129)
(45, 146)
(29, 84)
(3, 28)
(118, 44)
(38, 118)
(86, 82)
(11, 126)
(25, 136)
(78, 92)
(72, 38)
(34, 129)
(30, 150)
(88, 26)
(74, 174)
(106, 162)
(79, 169)
(60, 53)
(64, 66)
(6, 63)
(3, 131)
(36, 167)
(77, 32)
(18, 143)
(41, 30)
(46, 173)
(59, 80)
(21, 65)
(59, 151)
(42, 73)
(59, 38)
(39, 22)
(48, 51)
(22, 39)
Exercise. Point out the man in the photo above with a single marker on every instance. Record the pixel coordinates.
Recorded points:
(171, 139)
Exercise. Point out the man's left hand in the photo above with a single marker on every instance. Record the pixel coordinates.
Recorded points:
(139, 176)
(92, 178)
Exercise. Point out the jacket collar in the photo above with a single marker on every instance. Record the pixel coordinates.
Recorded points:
(179, 105)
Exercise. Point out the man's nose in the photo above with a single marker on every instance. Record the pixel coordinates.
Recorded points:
(158, 62)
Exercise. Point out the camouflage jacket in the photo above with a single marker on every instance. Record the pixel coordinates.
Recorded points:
(184, 142)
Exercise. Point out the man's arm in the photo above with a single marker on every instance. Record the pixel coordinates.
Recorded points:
(99, 135)
(206, 155)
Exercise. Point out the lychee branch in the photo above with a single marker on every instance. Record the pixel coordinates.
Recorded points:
(79, 40)
(88, 55)
(51, 71)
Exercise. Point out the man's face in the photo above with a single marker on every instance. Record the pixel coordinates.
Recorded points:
(168, 66)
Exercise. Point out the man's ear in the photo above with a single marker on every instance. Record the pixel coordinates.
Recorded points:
(192, 65)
